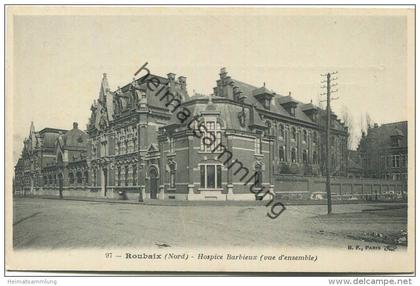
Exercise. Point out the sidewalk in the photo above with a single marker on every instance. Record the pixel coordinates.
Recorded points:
(155, 202)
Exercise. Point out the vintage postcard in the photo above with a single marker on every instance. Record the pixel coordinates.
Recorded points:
(210, 139)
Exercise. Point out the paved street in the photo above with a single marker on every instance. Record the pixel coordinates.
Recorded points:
(47, 223)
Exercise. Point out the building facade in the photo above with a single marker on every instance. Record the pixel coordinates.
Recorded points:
(150, 140)
(384, 151)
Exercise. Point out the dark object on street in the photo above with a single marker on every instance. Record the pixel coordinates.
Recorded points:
(122, 195)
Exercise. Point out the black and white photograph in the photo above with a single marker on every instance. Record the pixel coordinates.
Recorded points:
(226, 139)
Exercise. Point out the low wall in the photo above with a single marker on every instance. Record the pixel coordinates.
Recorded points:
(305, 187)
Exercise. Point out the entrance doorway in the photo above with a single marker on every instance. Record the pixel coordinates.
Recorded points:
(153, 175)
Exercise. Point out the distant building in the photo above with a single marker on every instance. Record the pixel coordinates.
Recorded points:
(384, 151)
(38, 153)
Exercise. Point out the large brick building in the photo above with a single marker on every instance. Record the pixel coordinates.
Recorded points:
(147, 140)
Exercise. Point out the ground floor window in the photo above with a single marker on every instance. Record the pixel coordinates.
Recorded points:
(86, 177)
(94, 177)
(294, 155)
(119, 176)
(126, 175)
(134, 175)
(211, 176)
(282, 156)
(71, 178)
(315, 158)
(79, 177)
(305, 156)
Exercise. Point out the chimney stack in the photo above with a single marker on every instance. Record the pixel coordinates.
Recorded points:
(171, 76)
(223, 72)
(75, 125)
(182, 82)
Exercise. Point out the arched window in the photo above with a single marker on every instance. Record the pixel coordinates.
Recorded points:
(294, 155)
(315, 137)
(71, 178)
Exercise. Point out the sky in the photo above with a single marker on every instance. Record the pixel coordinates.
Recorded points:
(58, 60)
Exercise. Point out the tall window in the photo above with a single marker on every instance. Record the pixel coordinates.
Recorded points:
(282, 156)
(71, 178)
(134, 144)
(268, 124)
(172, 173)
(119, 176)
(305, 156)
(258, 147)
(210, 176)
(294, 155)
(305, 136)
(126, 147)
(213, 132)
(395, 161)
(404, 161)
(315, 158)
(315, 137)
(94, 177)
(126, 175)
(79, 177)
(134, 175)
(294, 133)
(281, 131)
(86, 177)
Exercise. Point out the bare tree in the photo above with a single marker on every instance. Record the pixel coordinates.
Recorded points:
(347, 118)
(369, 121)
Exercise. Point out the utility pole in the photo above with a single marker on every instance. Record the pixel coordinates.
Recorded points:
(328, 132)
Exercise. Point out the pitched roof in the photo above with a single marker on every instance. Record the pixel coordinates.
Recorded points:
(381, 135)
(248, 90)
